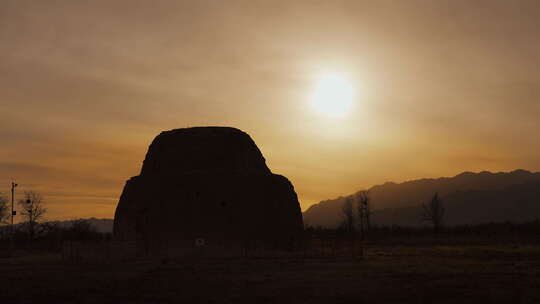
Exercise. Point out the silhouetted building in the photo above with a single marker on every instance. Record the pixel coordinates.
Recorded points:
(206, 186)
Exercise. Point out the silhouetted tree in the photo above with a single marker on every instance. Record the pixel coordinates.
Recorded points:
(363, 210)
(348, 221)
(4, 212)
(32, 210)
(82, 230)
(433, 212)
(51, 230)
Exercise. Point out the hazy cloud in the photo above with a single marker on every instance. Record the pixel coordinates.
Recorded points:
(84, 87)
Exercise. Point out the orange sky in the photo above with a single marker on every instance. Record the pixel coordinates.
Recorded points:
(442, 87)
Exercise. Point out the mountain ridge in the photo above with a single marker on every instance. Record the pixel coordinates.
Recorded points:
(102, 225)
(412, 193)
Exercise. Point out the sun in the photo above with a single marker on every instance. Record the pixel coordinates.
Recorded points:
(333, 95)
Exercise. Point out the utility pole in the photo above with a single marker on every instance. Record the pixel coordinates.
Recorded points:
(13, 212)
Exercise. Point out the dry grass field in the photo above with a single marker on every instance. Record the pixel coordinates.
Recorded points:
(405, 274)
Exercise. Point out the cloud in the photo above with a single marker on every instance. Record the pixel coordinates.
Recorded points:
(85, 86)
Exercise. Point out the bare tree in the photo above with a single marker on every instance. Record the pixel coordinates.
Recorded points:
(360, 216)
(32, 209)
(4, 212)
(82, 230)
(348, 215)
(433, 212)
(363, 210)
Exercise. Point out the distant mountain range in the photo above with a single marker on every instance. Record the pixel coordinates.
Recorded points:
(101, 225)
(469, 198)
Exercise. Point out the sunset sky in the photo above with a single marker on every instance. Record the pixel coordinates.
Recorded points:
(437, 88)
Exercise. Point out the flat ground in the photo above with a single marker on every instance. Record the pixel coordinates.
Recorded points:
(406, 274)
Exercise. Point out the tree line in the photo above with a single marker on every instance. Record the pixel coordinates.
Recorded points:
(356, 213)
(32, 207)
(32, 212)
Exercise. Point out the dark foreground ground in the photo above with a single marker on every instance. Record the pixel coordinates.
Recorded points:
(404, 274)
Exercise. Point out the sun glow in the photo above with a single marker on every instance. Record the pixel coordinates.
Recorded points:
(333, 95)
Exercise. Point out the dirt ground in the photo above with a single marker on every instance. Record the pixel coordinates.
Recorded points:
(443, 274)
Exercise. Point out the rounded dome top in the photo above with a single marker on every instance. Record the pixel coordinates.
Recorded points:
(203, 150)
